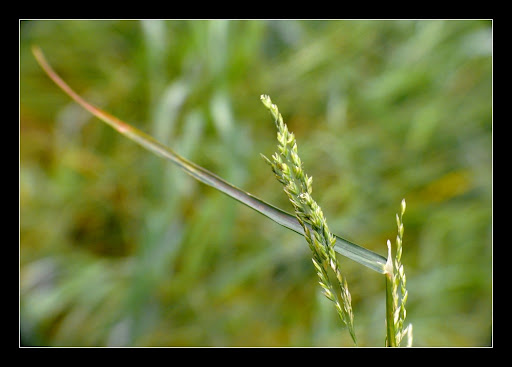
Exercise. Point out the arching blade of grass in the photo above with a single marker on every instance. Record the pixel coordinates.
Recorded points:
(346, 248)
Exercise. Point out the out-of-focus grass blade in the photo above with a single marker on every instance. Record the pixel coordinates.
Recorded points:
(346, 248)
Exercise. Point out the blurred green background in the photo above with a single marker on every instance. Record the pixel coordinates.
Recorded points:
(120, 248)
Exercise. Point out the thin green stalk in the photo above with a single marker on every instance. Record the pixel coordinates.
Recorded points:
(346, 248)
(390, 325)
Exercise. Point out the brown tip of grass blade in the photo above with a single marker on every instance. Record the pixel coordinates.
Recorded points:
(38, 54)
(117, 124)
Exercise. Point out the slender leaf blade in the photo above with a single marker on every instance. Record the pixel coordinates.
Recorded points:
(346, 248)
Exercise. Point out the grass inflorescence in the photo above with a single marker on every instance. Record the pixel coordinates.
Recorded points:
(287, 166)
(396, 292)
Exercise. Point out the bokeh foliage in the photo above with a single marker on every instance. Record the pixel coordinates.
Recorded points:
(119, 247)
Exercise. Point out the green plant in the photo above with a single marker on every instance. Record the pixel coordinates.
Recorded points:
(287, 166)
(308, 220)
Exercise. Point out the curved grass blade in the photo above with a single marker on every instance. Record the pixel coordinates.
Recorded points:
(346, 248)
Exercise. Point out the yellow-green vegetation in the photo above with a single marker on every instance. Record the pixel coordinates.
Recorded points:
(119, 247)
